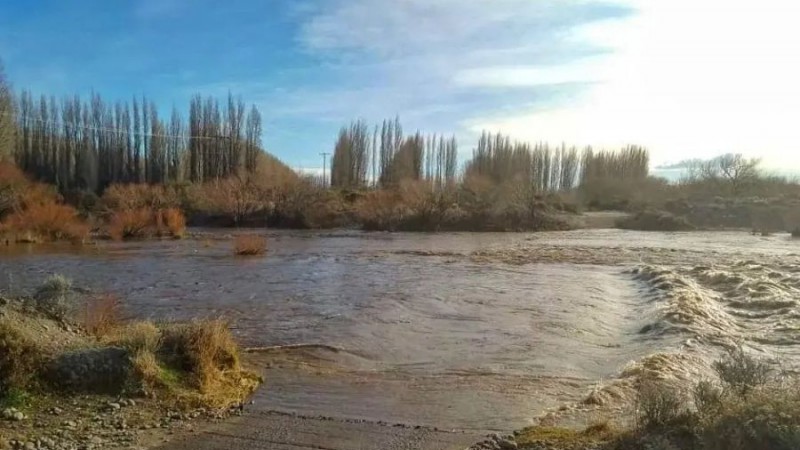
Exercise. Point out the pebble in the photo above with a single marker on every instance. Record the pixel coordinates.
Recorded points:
(113, 406)
(70, 424)
(13, 414)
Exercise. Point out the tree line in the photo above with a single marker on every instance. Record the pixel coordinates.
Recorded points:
(541, 168)
(385, 156)
(80, 144)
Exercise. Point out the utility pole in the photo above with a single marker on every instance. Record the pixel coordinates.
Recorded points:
(324, 168)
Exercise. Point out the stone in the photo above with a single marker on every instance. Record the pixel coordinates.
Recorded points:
(113, 406)
(506, 444)
(70, 424)
(29, 446)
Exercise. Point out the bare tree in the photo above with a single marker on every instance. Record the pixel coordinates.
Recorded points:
(7, 127)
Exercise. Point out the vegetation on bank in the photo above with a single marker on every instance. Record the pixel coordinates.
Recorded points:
(58, 342)
(749, 406)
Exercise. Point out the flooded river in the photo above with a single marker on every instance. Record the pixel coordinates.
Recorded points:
(467, 331)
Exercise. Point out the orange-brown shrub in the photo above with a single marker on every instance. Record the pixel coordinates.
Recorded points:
(47, 221)
(131, 224)
(119, 197)
(249, 245)
(170, 222)
(101, 314)
(139, 223)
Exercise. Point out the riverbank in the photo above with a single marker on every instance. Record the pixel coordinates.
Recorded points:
(73, 375)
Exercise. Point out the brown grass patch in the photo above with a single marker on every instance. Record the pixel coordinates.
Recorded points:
(249, 245)
(101, 314)
(207, 353)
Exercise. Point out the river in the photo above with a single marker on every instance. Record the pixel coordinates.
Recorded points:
(465, 331)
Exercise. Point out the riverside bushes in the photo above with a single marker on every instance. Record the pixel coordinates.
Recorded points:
(33, 212)
(748, 407)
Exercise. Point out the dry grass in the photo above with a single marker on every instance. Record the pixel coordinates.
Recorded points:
(136, 337)
(101, 314)
(249, 245)
(207, 353)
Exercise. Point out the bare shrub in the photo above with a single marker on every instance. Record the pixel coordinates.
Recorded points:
(742, 373)
(249, 245)
(44, 222)
(119, 197)
(55, 297)
(708, 398)
(658, 404)
(170, 222)
(101, 314)
(131, 224)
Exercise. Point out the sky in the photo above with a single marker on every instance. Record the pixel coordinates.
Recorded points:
(685, 78)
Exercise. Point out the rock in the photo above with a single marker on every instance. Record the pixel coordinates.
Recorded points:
(56, 411)
(506, 444)
(70, 424)
(47, 442)
(113, 406)
(131, 402)
(29, 446)
(12, 414)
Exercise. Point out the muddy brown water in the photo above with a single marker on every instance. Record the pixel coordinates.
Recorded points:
(411, 328)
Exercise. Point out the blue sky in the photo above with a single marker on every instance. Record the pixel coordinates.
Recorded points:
(654, 72)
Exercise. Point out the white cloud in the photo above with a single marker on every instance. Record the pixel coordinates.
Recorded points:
(687, 78)
(426, 59)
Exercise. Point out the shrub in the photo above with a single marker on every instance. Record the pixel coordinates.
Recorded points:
(20, 359)
(707, 398)
(204, 349)
(130, 224)
(249, 245)
(146, 371)
(46, 222)
(136, 337)
(658, 404)
(55, 297)
(655, 221)
(119, 197)
(742, 373)
(170, 222)
(101, 314)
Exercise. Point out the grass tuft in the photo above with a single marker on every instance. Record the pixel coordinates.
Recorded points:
(249, 245)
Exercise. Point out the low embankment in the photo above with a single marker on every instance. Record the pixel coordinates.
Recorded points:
(73, 375)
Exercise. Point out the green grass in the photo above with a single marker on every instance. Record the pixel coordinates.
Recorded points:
(16, 398)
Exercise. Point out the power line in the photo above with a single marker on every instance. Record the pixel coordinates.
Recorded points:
(111, 130)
